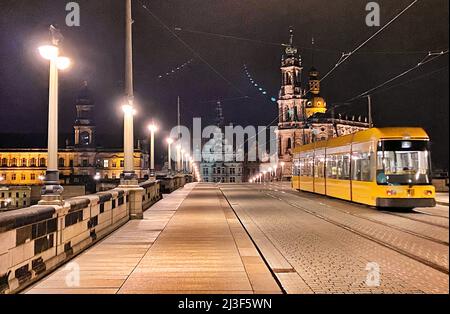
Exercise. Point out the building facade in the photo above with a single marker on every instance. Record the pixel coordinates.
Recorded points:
(303, 113)
(219, 158)
(14, 197)
(77, 163)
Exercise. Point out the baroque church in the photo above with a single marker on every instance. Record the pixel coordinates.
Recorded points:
(304, 116)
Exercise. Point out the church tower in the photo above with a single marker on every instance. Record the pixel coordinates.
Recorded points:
(315, 103)
(84, 123)
(291, 105)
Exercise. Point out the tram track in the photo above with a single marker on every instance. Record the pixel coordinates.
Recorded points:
(401, 251)
(430, 214)
(391, 225)
(417, 219)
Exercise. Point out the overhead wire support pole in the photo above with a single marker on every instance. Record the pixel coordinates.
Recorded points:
(369, 109)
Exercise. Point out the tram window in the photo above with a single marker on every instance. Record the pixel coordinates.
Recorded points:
(403, 162)
(319, 166)
(361, 166)
(332, 167)
(296, 168)
(343, 167)
(306, 165)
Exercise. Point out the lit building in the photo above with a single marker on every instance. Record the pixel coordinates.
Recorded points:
(78, 163)
(303, 113)
(219, 163)
(14, 197)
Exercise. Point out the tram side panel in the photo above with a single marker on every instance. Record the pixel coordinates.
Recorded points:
(306, 181)
(296, 173)
(319, 171)
(363, 165)
(338, 172)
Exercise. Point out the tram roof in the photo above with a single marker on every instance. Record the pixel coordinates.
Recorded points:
(368, 135)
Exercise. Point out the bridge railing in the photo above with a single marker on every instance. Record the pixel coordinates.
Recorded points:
(36, 240)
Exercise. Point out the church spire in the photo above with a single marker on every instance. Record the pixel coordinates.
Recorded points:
(220, 121)
(291, 36)
(291, 50)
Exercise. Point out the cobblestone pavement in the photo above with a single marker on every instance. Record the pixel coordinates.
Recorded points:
(329, 258)
(381, 226)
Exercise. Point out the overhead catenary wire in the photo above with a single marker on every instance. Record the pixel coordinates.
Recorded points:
(411, 80)
(429, 58)
(188, 47)
(269, 43)
(346, 56)
(428, 74)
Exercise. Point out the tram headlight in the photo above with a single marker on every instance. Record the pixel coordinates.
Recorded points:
(428, 193)
(391, 192)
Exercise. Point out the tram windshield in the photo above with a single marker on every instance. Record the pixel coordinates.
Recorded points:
(403, 162)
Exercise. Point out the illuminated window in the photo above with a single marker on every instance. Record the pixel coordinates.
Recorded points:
(85, 138)
(105, 163)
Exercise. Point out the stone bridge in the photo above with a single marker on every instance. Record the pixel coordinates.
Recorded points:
(35, 241)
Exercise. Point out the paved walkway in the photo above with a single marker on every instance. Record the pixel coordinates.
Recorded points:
(442, 198)
(190, 242)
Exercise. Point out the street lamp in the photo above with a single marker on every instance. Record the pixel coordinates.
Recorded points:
(51, 193)
(178, 158)
(182, 160)
(169, 145)
(275, 171)
(153, 128)
(282, 164)
(188, 160)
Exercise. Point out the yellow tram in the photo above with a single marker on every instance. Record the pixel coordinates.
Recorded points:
(383, 167)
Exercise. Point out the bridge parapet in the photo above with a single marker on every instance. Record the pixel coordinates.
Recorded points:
(36, 240)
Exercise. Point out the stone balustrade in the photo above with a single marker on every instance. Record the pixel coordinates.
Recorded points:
(36, 240)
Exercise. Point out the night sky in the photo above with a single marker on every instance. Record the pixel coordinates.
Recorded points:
(97, 48)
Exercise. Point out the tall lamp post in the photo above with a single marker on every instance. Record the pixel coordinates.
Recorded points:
(282, 164)
(129, 175)
(182, 160)
(169, 147)
(153, 128)
(188, 160)
(51, 193)
(178, 169)
(275, 171)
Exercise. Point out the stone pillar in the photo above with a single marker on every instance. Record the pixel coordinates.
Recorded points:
(135, 194)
